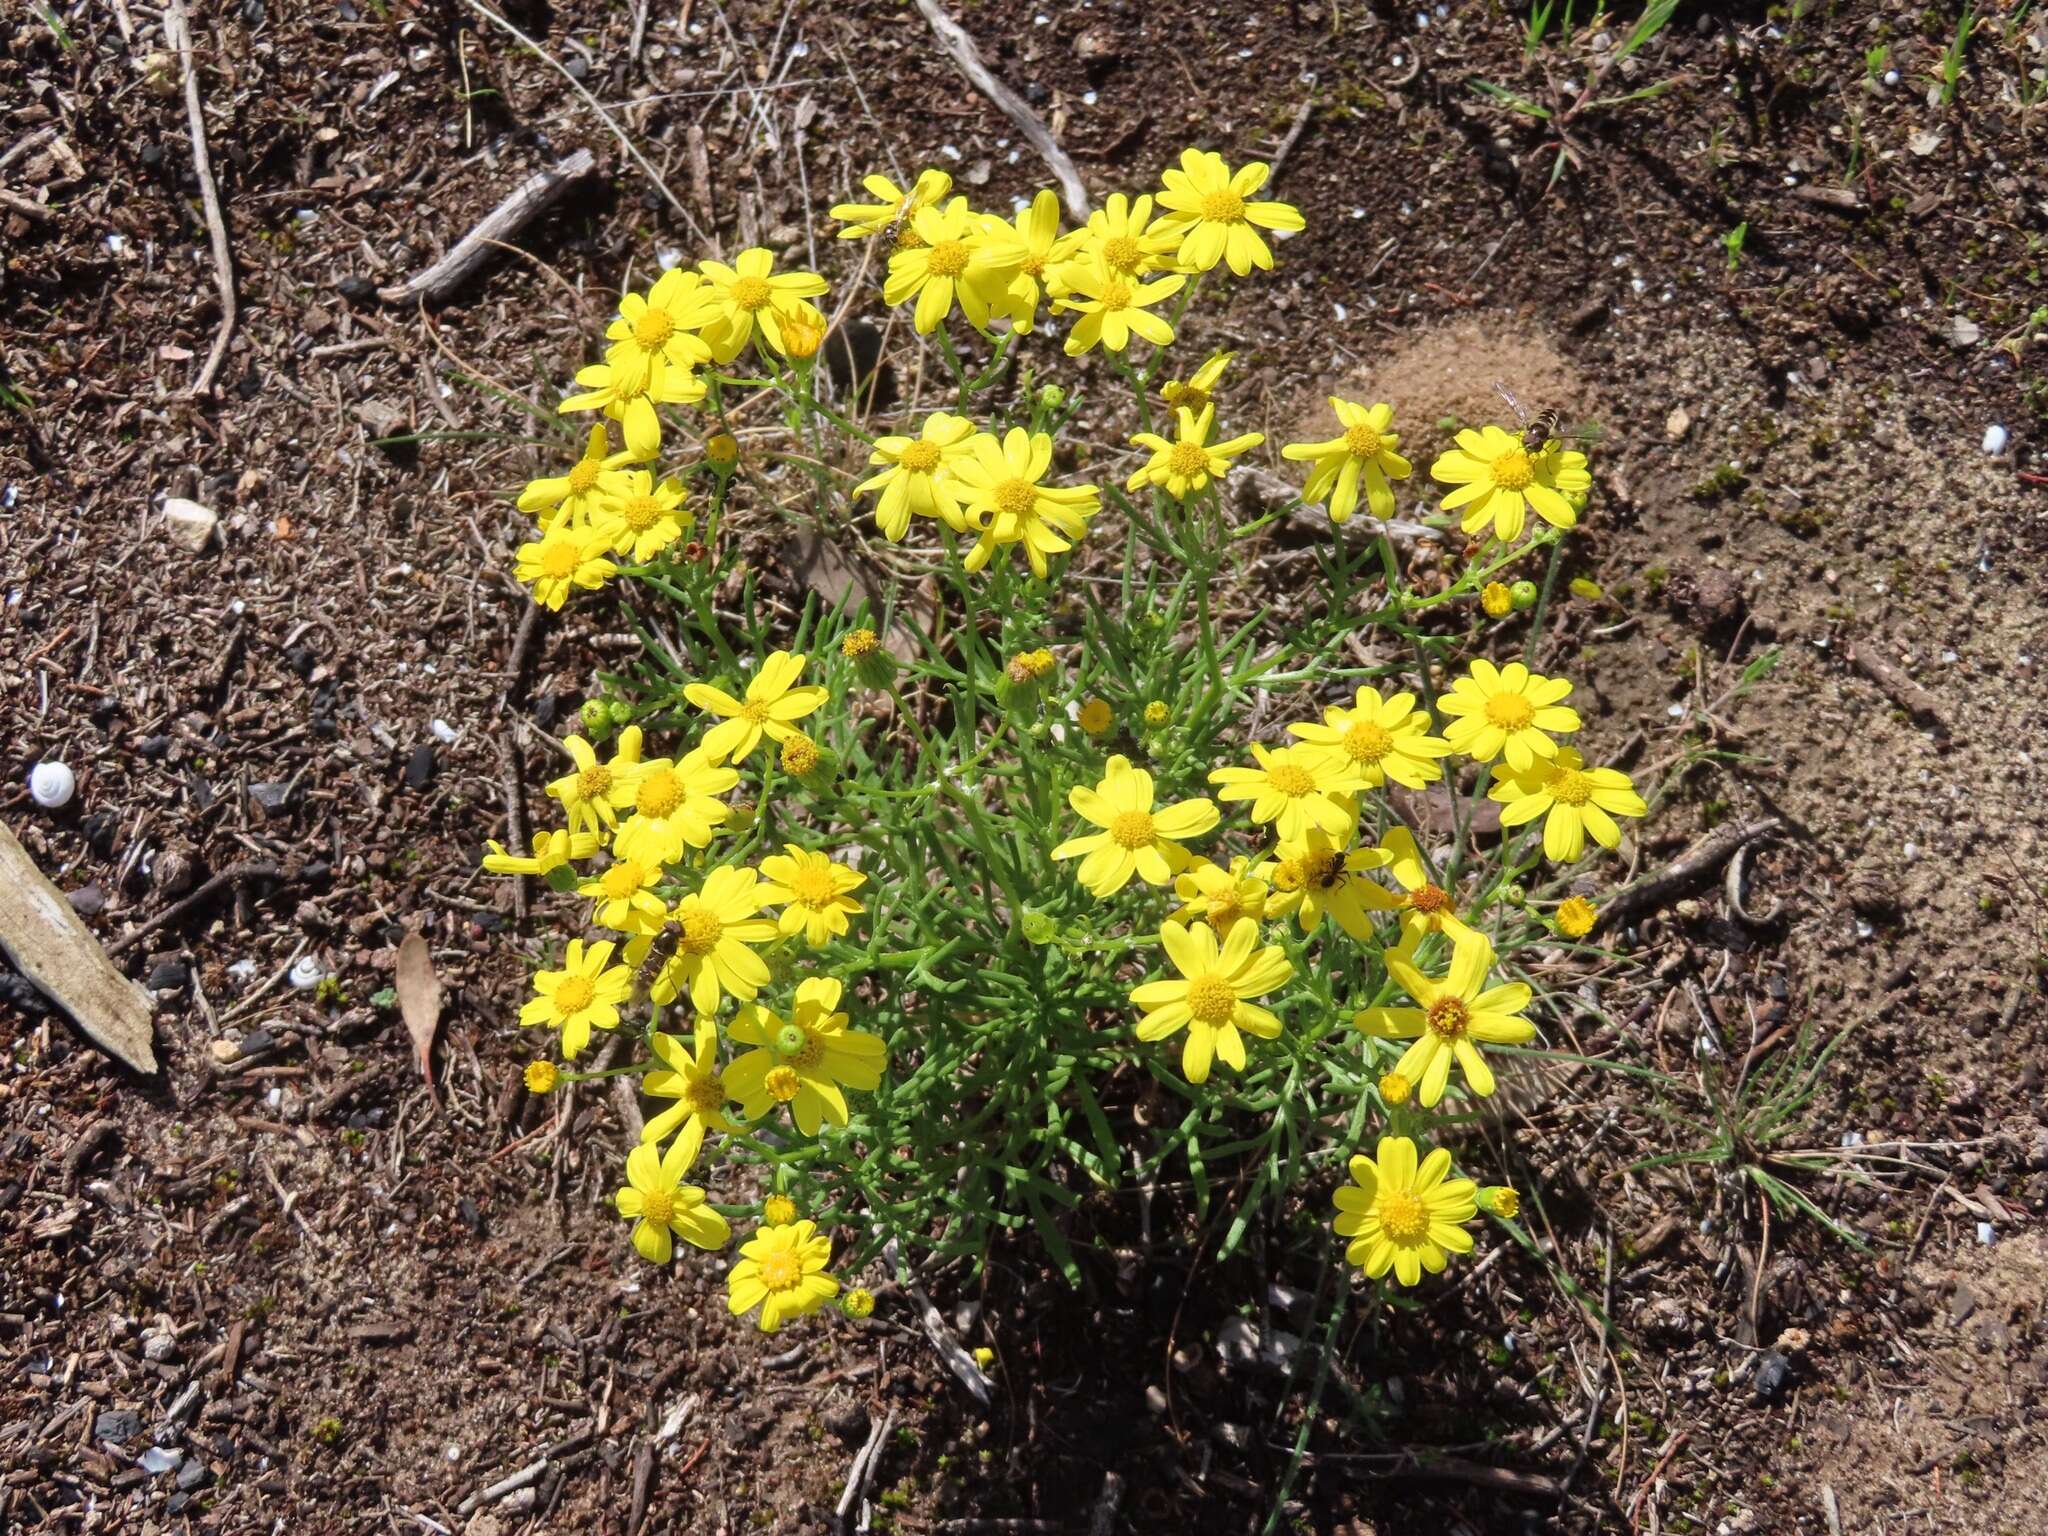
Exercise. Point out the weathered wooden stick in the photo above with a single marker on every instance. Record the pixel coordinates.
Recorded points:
(954, 39)
(529, 200)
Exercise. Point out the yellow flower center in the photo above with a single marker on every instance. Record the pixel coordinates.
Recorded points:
(560, 559)
(541, 1076)
(660, 793)
(1211, 999)
(1116, 295)
(1568, 786)
(622, 880)
(813, 886)
(1430, 900)
(1291, 779)
(799, 755)
(1122, 253)
(782, 1270)
(573, 994)
(947, 259)
(752, 293)
(782, 1084)
(1366, 742)
(640, 512)
(593, 781)
(908, 239)
(1448, 1018)
(1363, 441)
(1395, 1089)
(1324, 869)
(1131, 829)
(657, 1206)
(1034, 266)
(653, 329)
(860, 643)
(1223, 207)
(1510, 711)
(701, 931)
(1403, 1216)
(583, 475)
(1225, 910)
(1513, 470)
(920, 458)
(1015, 498)
(706, 1095)
(1188, 460)
(754, 712)
(1186, 395)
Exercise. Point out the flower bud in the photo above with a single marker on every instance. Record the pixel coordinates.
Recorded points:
(541, 1077)
(1395, 1090)
(778, 1210)
(722, 449)
(1523, 595)
(1156, 714)
(858, 1303)
(1500, 1200)
(597, 717)
(1497, 600)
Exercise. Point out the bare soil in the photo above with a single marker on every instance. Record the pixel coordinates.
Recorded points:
(348, 1301)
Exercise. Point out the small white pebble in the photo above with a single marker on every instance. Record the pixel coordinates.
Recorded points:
(307, 973)
(1995, 439)
(444, 733)
(51, 785)
(669, 257)
(1949, 657)
(1087, 98)
(950, 151)
(1852, 1138)
(1637, 286)
(242, 969)
(115, 244)
(1986, 1236)
(1676, 711)
(1891, 77)
(1911, 851)
(1341, 312)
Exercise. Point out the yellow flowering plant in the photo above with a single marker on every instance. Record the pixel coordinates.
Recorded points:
(1026, 894)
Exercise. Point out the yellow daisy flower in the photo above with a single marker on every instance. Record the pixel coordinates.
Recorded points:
(782, 1271)
(1200, 388)
(689, 1075)
(1185, 466)
(1000, 495)
(1456, 1012)
(1402, 1216)
(596, 792)
(1122, 238)
(771, 708)
(1313, 875)
(623, 900)
(1573, 800)
(540, 1078)
(1209, 999)
(805, 1061)
(574, 497)
(918, 476)
(753, 297)
(1575, 917)
(712, 958)
(1293, 788)
(1113, 307)
(1206, 200)
(662, 1207)
(561, 560)
(675, 806)
(584, 995)
(1035, 249)
(1496, 599)
(551, 850)
(1497, 480)
(1506, 711)
(1425, 906)
(1135, 839)
(953, 261)
(627, 386)
(890, 203)
(1364, 453)
(813, 892)
(641, 518)
(659, 326)
(1218, 896)
(1376, 740)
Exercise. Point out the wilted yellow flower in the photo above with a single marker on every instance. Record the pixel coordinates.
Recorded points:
(689, 1075)
(722, 449)
(890, 203)
(1456, 1011)
(1376, 740)
(640, 518)
(1497, 480)
(1200, 388)
(1206, 201)
(574, 497)
(1576, 916)
(551, 850)
(800, 755)
(1395, 1090)
(1497, 600)
(1364, 453)
(984, 1357)
(859, 1303)
(1034, 249)
(1000, 494)
(1210, 997)
(1135, 839)
(711, 956)
(662, 1208)
(1508, 711)
(813, 892)
(541, 1077)
(858, 643)
(1501, 1201)
(1292, 787)
(627, 386)
(917, 476)
(1191, 461)
(1425, 906)
(1034, 664)
(772, 706)
(753, 297)
(782, 1271)
(803, 1061)
(1095, 717)
(1219, 896)
(584, 995)
(1402, 1216)
(1157, 714)
(562, 559)
(1573, 800)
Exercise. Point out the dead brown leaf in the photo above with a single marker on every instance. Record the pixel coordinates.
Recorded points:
(419, 999)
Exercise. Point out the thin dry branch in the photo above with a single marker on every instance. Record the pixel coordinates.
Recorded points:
(526, 202)
(1695, 866)
(954, 39)
(180, 34)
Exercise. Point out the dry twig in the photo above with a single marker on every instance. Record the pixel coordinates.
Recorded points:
(1696, 864)
(954, 39)
(526, 202)
(180, 33)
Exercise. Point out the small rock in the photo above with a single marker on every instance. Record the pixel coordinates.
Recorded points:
(357, 290)
(175, 871)
(169, 975)
(1962, 331)
(419, 769)
(224, 1051)
(153, 747)
(1773, 1375)
(255, 1043)
(88, 901)
(302, 659)
(189, 525)
(1995, 439)
(1962, 1304)
(1678, 423)
(194, 1474)
(273, 799)
(159, 1345)
(17, 991)
(1236, 1436)
(1155, 1401)
(1099, 45)
(119, 1425)
(849, 1423)
(1237, 1342)
(51, 785)
(157, 1460)
(382, 417)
